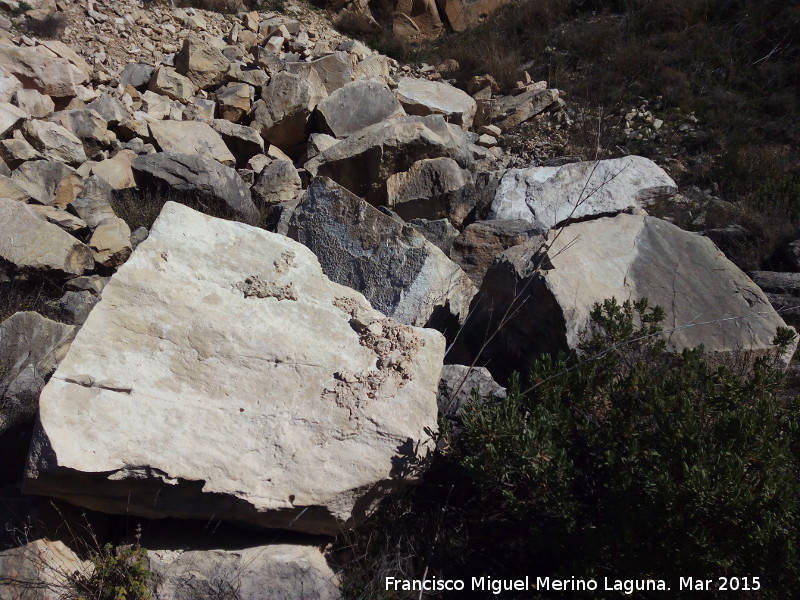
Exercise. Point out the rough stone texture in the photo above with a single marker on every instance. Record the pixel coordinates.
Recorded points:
(56, 77)
(510, 111)
(334, 70)
(277, 182)
(48, 182)
(74, 307)
(376, 65)
(30, 244)
(440, 232)
(136, 75)
(16, 150)
(283, 114)
(277, 572)
(357, 105)
(117, 171)
(86, 125)
(67, 221)
(94, 202)
(234, 101)
(54, 142)
(9, 85)
(200, 177)
(111, 242)
(201, 62)
(170, 83)
(243, 141)
(191, 137)
(422, 97)
(363, 162)
(456, 385)
(215, 400)
(427, 189)
(31, 347)
(110, 109)
(547, 196)
(462, 14)
(706, 298)
(777, 283)
(10, 118)
(38, 571)
(475, 249)
(417, 19)
(397, 269)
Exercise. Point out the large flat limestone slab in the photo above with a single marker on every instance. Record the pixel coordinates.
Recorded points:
(224, 376)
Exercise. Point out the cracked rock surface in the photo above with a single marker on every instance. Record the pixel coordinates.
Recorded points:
(223, 375)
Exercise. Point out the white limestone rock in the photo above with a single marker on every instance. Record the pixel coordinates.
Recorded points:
(237, 383)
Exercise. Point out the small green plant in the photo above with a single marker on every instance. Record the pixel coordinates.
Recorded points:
(622, 460)
(121, 573)
(779, 196)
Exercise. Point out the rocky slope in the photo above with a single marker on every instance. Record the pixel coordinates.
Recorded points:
(333, 229)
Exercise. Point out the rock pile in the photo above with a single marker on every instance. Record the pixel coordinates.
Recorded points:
(269, 352)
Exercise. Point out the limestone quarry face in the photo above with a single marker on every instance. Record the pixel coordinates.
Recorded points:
(236, 382)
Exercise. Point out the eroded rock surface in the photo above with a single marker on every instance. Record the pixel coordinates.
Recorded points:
(218, 399)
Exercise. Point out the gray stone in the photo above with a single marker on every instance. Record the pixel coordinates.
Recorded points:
(244, 142)
(476, 248)
(430, 189)
(277, 572)
(363, 162)
(357, 105)
(283, 115)
(48, 182)
(234, 100)
(110, 109)
(74, 306)
(231, 360)
(54, 142)
(201, 62)
(278, 182)
(30, 244)
(422, 97)
(457, 384)
(191, 137)
(170, 83)
(397, 269)
(137, 75)
(440, 232)
(111, 242)
(777, 283)
(16, 150)
(547, 196)
(93, 205)
(707, 300)
(11, 117)
(56, 77)
(31, 347)
(510, 111)
(212, 184)
(334, 70)
(88, 126)
(36, 570)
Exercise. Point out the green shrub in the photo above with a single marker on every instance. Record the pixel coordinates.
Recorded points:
(117, 574)
(622, 461)
(779, 197)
